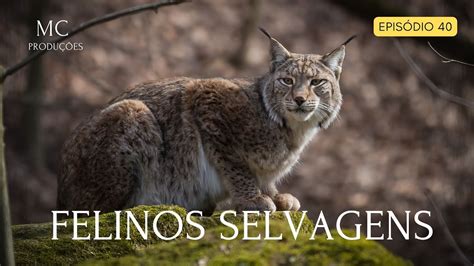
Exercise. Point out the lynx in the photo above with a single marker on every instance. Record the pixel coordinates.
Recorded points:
(195, 142)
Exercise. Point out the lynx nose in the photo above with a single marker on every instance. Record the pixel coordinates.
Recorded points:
(299, 100)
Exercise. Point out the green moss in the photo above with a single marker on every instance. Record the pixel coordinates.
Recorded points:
(214, 251)
(33, 244)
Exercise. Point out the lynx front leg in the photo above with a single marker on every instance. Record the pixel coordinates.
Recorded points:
(286, 202)
(283, 201)
(243, 188)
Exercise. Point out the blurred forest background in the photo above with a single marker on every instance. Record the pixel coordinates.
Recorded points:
(395, 137)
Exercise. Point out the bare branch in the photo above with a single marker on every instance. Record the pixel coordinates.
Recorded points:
(446, 231)
(448, 60)
(88, 24)
(433, 87)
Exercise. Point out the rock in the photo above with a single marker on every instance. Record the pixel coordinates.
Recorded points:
(33, 244)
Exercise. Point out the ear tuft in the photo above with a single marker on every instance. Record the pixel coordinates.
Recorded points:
(265, 32)
(349, 40)
(334, 59)
(278, 52)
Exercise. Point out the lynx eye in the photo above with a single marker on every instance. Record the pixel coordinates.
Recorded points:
(286, 81)
(317, 82)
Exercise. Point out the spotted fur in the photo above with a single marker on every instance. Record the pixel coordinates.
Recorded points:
(194, 142)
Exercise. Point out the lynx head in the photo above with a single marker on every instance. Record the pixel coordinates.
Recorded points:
(303, 87)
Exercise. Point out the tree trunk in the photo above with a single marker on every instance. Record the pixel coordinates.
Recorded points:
(33, 97)
(6, 241)
(248, 27)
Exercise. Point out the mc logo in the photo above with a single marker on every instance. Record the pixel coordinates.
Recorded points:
(49, 27)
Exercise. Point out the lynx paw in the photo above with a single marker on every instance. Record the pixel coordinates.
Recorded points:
(259, 203)
(286, 202)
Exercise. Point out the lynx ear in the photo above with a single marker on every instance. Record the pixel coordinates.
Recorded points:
(277, 50)
(334, 59)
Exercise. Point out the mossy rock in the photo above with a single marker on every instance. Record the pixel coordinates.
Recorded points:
(33, 244)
